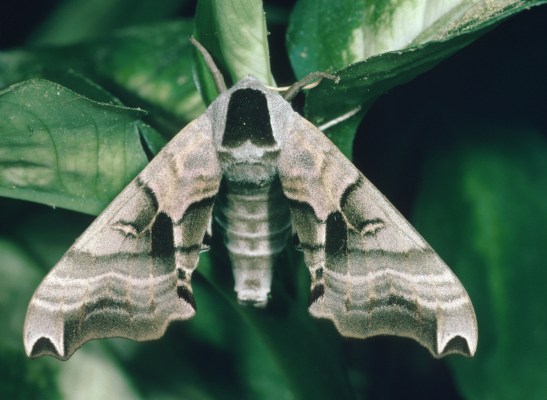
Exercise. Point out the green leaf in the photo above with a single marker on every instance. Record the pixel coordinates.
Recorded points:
(93, 374)
(61, 149)
(21, 379)
(332, 35)
(76, 20)
(39, 234)
(26, 379)
(483, 209)
(234, 32)
(151, 67)
(146, 66)
(20, 275)
(376, 45)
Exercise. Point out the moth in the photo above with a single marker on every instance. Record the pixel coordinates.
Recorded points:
(255, 172)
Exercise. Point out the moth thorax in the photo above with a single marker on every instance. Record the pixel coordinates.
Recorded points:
(249, 164)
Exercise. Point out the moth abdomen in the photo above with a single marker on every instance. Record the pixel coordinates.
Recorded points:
(254, 222)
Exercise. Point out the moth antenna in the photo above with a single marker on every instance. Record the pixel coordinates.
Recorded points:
(285, 88)
(303, 83)
(217, 75)
(341, 118)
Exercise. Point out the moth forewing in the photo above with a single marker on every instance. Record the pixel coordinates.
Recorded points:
(372, 273)
(129, 274)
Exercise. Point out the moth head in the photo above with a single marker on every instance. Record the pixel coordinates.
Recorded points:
(249, 124)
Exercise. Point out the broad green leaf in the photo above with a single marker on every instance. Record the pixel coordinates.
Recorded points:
(24, 379)
(154, 65)
(376, 45)
(147, 66)
(234, 32)
(20, 276)
(483, 209)
(93, 374)
(38, 232)
(76, 20)
(61, 149)
(332, 35)
(20, 378)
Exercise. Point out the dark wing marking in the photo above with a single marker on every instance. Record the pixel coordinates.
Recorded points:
(372, 273)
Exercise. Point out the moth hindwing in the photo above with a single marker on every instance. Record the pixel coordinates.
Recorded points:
(267, 171)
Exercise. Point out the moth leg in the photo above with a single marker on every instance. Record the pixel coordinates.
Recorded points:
(339, 119)
(312, 77)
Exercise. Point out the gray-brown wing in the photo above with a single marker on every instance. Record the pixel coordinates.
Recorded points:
(129, 274)
(372, 273)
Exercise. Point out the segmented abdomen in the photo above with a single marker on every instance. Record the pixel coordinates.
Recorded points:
(255, 224)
